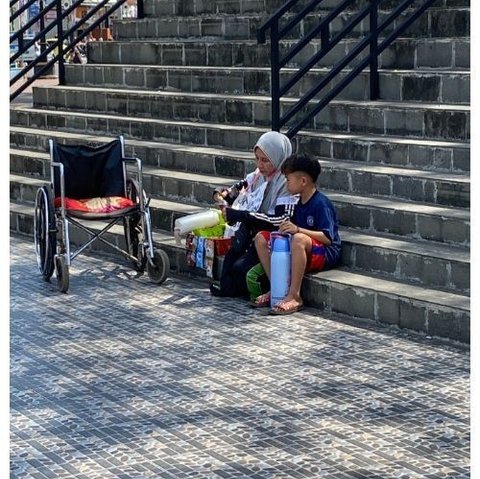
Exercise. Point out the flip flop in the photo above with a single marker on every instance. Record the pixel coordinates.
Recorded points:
(262, 301)
(281, 310)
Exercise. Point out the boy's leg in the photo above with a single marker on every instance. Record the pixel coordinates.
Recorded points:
(301, 248)
(301, 256)
(254, 281)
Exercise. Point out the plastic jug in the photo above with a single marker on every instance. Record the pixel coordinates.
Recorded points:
(279, 267)
(203, 219)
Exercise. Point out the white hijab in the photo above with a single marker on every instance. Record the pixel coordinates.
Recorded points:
(277, 147)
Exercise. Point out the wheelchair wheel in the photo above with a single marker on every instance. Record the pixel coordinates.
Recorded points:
(133, 229)
(158, 272)
(63, 275)
(44, 228)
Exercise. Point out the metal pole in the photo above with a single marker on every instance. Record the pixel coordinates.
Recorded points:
(61, 60)
(374, 80)
(275, 76)
(140, 9)
(43, 45)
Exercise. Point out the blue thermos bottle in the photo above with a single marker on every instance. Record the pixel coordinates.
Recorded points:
(279, 266)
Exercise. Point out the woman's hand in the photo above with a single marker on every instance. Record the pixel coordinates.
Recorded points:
(288, 227)
(219, 197)
(223, 209)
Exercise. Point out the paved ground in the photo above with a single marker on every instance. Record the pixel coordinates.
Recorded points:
(124, 379)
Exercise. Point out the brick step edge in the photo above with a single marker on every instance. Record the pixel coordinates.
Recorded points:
(338, 291)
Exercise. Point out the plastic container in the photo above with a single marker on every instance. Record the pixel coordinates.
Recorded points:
(279, 267)
(203, 219)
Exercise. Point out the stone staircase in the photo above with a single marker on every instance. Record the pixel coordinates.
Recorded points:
(188, 86)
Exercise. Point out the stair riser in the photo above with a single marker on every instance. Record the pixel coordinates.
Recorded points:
(407, 54)
(415, 156)
(331, 297)
(448, 193)
(348, 118)
(366, 217)
(435, 23)
(404, 223)
(388, 308)
(160, 8)
(430, 272)
(454, 88)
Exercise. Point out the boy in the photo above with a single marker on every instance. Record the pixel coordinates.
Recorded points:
(315, 242)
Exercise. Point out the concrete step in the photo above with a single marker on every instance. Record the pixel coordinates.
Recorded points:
(436, 22)
(344, 176)
(160, 8)
(431, 264)
(432, 311)
(208, 148)
(420, 120)
(395, 85)
(372, 214)
(415, 185)
(450, 53)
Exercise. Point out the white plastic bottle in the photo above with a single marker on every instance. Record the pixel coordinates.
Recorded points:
(203, 219)
(279, 267)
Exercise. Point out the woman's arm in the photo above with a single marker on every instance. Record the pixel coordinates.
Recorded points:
(228, 194)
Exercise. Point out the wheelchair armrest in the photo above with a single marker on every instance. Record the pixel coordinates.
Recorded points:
(133, 159)
(138, 161)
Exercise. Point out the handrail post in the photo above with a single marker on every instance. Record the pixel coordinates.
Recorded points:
(42, 21)
(275, 76)
(374, 79)
(61, 61)
(140, 9)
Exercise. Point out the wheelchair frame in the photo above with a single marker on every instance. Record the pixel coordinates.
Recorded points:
(54, 233)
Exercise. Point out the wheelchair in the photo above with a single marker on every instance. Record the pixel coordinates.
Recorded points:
(93, 183)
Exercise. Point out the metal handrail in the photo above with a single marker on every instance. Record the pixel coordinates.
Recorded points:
(65, 40)
(370, 40)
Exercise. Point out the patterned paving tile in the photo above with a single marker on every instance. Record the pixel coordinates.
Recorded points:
(124, 379)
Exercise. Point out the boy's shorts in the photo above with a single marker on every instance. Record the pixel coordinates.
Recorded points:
(315, 260)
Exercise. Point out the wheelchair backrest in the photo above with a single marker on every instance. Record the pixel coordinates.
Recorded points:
(89, 171)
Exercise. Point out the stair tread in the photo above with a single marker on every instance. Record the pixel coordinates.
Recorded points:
(419, 71)
(385, 203)
(342, 276)
(216, 40)
(261, 15)
(306, 133)
(395, 170)
(380, 104)
(337, 164)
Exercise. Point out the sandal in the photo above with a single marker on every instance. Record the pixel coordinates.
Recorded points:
(262, 301)
(286, 307)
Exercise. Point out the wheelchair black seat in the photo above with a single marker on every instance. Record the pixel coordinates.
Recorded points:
(94, 183)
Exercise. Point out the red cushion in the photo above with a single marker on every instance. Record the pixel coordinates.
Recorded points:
(96, 205)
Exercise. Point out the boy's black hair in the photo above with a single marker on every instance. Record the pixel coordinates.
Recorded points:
(304, 163)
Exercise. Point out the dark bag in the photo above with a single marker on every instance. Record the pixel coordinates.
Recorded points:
(242, 239)
(233, 279)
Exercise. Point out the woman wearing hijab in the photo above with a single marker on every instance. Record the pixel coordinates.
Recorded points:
(266, 193)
